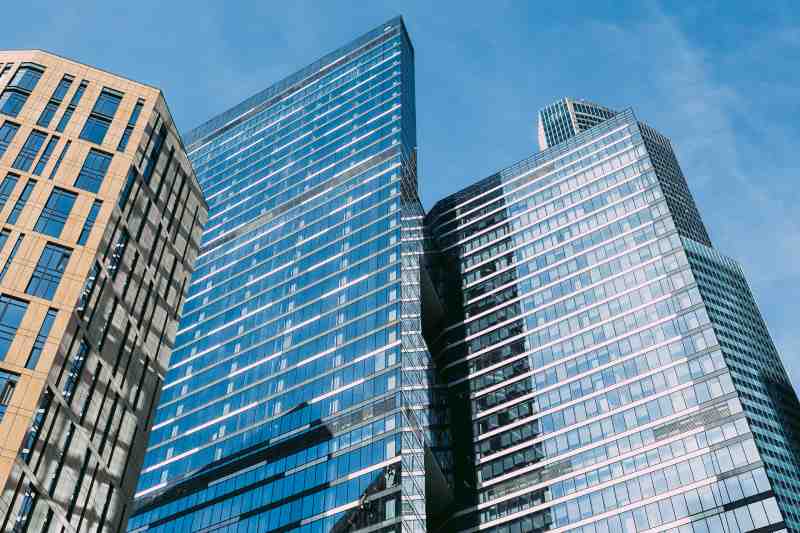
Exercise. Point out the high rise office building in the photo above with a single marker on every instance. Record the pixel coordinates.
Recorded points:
(100, 219)
(298, 397)
(608, 369)
(567, 117)
(599, 366)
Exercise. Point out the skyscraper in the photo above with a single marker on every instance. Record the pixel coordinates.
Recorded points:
(101, 218)
(608, 369)
(297, 397)
(566, 118)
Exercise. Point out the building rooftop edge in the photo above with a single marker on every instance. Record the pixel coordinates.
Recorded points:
(158, 90)
(534, 159)
(82, 63)
(219, 121)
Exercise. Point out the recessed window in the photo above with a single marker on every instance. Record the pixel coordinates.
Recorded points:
(118, 252)
(55, 213)
(11, 102)
(127, 188)
(49, 271)
(95, 129)
(29, 151)
(60, 159)
(90, 220)
(63, 87)
(19, 88)
(26, 78)
(47, 115)
(126, 135)
(93, 171)
(41, 338)
(7, 133)
(4, 234)
(11, 312)
(107, 103)
(75, 369)
(73, 103)
(100, 119)
(45, 157)
(8, 383)
(11, 256)
(21, 201)
(158, 144)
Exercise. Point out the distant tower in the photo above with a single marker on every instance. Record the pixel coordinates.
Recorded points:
(567, 117)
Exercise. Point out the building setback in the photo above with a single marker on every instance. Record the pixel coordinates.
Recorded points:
(298, 396)
(101, 220)
(597, 365)
(608, 369)
(567, 117)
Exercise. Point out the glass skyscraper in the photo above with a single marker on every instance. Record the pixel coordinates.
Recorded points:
(608, 369)
(298, 397)
(595, 365)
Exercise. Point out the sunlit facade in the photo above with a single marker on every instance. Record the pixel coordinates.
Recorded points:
(298, 397)
(100, 223)
(608, 369)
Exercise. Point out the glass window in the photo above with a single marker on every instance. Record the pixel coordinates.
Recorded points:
(26, 78)
(64, 120)
(29, 150)
(73, 103)
(41, 338)
(6, 188)
(95, 129)
(90, 220)
(8, 382)
(158, 144)
(107, 103)
(100, 119)
(7, 133)
(11, 312)
(126, 190)
(63, 87)
(15, 96)
(60, 159)
(11, 102)
(45, 157)
(55, 212)
(75, 368)
(93, 171)
(21, 201)
(47, 115)
(88, 287)
(126, 135)
(118, 252)
(10, 257)
(49, 270)
(4, 234)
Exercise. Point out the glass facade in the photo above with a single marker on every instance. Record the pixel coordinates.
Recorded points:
(297, 396)
(608, 371)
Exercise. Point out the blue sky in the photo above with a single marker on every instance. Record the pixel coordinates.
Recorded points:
(719, 78)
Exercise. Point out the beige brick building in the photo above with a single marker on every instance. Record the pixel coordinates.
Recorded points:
(100, 223)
